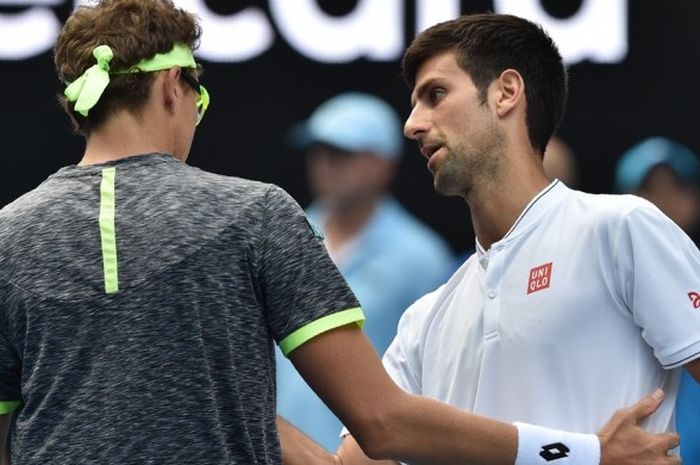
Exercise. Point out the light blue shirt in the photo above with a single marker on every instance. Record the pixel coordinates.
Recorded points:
(688, 419)
(394, 260)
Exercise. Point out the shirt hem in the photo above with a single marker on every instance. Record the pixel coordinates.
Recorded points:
(326, 323)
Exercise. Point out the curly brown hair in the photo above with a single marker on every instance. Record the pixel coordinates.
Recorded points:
(135, 30)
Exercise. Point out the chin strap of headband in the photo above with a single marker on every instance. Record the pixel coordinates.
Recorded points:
(88, 88)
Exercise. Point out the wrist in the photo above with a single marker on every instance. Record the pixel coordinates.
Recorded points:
(544, 446)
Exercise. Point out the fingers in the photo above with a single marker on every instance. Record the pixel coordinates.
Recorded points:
(664, 443)
(670, 440)
(624, 442)
(647, 405)
(672, 460)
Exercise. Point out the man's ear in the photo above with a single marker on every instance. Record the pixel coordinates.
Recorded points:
(509, 92)
(171, 85)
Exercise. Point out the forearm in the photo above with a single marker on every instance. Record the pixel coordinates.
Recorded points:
(299, 449)
(423, 429)
(343, 369)
(389, 423)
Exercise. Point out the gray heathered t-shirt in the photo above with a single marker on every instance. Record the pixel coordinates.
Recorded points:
(177, 366)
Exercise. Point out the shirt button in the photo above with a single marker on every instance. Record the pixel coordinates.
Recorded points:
(492, 293)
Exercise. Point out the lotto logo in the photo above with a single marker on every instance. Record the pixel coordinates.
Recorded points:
(554, 451)
(694, 298)
(540, 278)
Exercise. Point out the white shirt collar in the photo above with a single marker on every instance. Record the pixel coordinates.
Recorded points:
(531, 214)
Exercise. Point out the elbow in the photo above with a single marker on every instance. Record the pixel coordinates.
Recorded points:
(376, 448)
(378, 436)
(377, 445)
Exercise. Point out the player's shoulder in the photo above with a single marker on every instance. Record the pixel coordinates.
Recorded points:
(226, 184)
(237, 193)
(610, 209)
(418, 314)
(17, 217)
(425, 308)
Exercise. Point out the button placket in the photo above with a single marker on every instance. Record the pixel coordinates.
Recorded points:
(492, 287)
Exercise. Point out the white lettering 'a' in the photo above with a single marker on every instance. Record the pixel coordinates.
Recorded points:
(231, 38)
(27, 33)
(373, 30)
(431, 12)
(597, 32)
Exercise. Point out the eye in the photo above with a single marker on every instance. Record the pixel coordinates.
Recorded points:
(435, 94)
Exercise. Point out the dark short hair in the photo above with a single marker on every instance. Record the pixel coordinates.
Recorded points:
(135, 30)
(487, 44)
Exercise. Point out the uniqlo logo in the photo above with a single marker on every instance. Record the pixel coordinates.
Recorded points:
(540, 278)
(694, 299)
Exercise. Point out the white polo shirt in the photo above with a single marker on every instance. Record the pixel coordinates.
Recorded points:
(584, 307)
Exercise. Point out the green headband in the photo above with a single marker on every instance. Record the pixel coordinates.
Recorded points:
(88, 88)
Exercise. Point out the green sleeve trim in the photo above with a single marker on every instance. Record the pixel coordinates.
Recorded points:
(326, 323)
(108, 234)
(9, 406)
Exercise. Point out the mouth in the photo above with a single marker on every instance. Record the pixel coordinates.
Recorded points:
(429, 149)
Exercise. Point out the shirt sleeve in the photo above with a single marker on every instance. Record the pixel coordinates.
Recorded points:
(303, 291)
(658, 272)
(403, 360)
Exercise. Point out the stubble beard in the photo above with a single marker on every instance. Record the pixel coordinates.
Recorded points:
(465, 169)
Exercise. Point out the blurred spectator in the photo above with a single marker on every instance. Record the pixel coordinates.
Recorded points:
(668, 174)
(560, 162)
(353, 143)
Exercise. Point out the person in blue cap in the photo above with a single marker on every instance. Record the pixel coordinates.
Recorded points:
(353, 144)
(667, 173)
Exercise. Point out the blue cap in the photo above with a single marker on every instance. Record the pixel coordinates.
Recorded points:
(354, 122)
(636, 163)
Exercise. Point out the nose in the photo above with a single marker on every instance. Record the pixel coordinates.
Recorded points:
(416, 124)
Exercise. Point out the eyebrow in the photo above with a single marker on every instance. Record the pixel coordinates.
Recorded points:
(420, 91)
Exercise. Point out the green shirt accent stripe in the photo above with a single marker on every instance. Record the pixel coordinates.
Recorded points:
(108, 234)
(313, 329)
(9, 406)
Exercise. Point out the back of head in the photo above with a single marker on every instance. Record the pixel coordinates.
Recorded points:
(488, 44)
(135, 30)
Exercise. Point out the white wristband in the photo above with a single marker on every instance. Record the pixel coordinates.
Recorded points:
(545, 446)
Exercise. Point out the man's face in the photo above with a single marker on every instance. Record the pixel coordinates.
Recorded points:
(679, 200)
(457, 133)
(342, 179)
